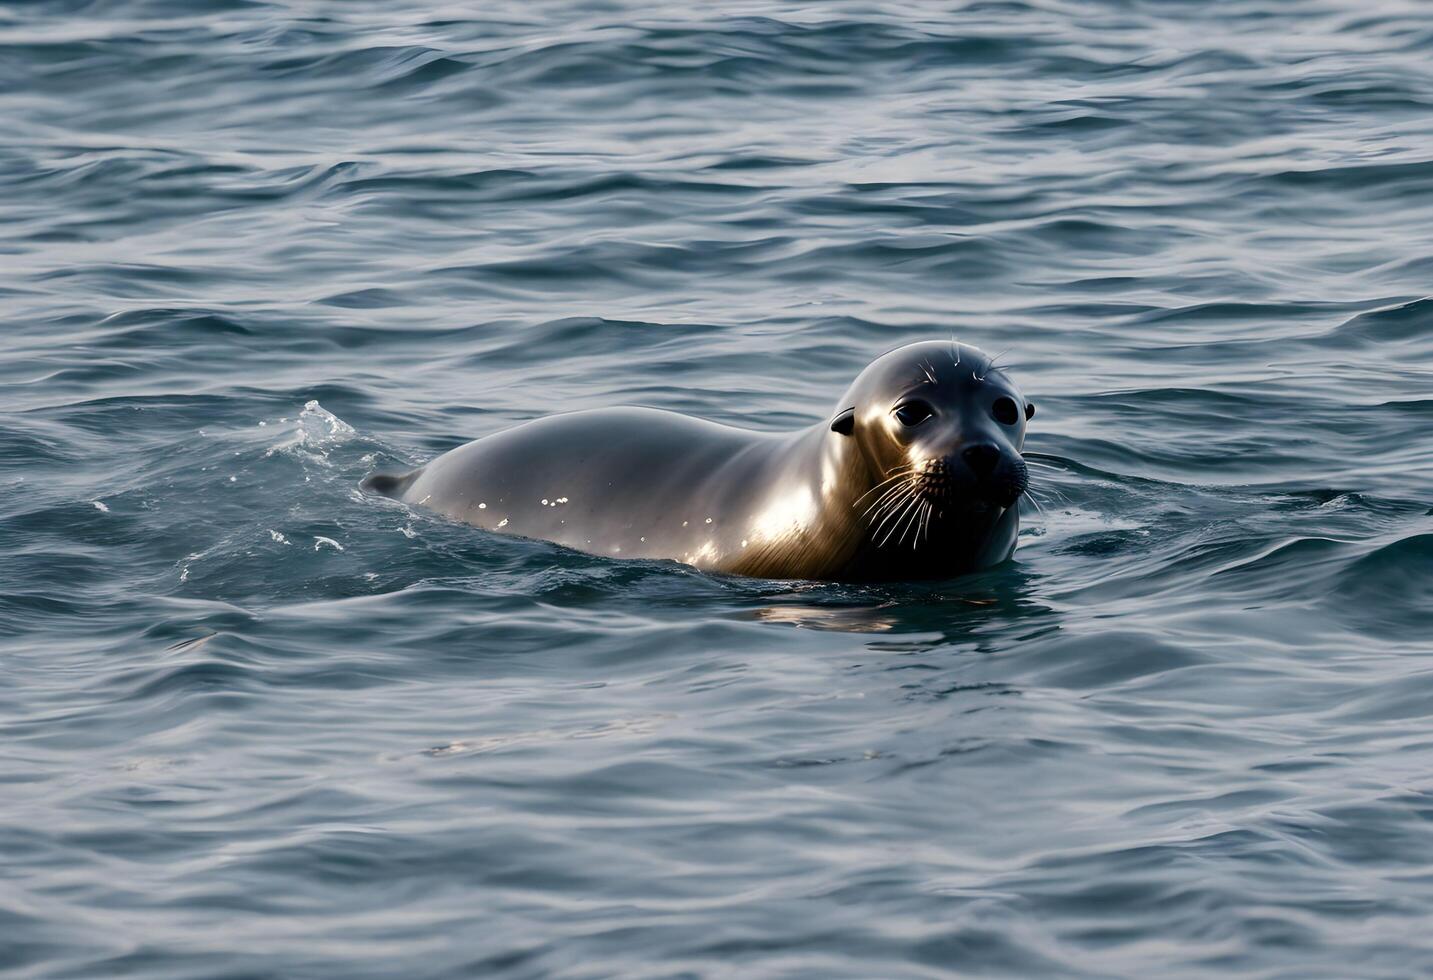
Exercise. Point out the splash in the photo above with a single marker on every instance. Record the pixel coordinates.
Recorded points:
(316, 432)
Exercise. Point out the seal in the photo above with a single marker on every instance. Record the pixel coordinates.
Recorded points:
(917, 474)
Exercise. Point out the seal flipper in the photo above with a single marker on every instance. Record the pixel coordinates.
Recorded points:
(393, 485)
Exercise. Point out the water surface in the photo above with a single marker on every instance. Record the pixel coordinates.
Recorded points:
(255, 723)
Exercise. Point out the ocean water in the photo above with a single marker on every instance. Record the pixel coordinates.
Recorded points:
(254, 723)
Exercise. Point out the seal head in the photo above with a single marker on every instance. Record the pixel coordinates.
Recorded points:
(939, 428)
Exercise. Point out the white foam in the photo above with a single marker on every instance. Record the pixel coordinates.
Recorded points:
(316, 431)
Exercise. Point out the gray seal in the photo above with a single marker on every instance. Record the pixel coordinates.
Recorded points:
(917, 474)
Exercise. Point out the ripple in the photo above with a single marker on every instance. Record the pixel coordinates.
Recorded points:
(262, 723)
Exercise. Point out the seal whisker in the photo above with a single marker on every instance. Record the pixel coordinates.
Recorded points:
(990, 364)
(886, 498)
(887, 536)
(906, 471)
(892, 509)
(900, 519)
(1043, 500)
(889, 508)
(912, 523)
(1052, 491)
(880, 500)
(888, 493)
(917, 520)
(895, 472)
(908, 521)
(884, 507)
(1047, 486)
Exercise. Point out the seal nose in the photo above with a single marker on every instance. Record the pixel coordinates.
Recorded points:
(981, 458)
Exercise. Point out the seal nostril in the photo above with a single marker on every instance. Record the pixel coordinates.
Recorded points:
(981, 458)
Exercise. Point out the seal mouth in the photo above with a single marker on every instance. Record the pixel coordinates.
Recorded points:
(915, 502)
(951, 487)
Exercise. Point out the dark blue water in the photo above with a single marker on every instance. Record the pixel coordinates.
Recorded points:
(254, 723)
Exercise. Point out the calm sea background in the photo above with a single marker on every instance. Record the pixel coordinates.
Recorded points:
(254, 723)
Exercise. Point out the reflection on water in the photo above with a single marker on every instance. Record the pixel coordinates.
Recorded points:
(865, 619)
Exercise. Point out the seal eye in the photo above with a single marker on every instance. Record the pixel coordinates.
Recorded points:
(914, 412)
(1005, 411)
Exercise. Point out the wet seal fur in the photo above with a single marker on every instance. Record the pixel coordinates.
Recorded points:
(916, 475)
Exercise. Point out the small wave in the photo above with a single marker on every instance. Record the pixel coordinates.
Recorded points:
(316, 432)
(244, 243)
(1391, 587)
(1405, 323)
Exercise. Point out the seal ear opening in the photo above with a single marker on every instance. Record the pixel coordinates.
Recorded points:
(389, 484)
(1029, 411)
(844, 422)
